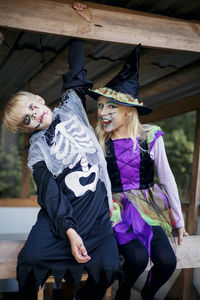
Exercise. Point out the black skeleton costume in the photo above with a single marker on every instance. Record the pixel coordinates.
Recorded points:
(73, 190)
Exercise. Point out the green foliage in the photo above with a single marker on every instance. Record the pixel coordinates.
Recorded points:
(32, 186)
(11, 170)
(180, 153)
(186, 122)
(179, 143)
(10, 174)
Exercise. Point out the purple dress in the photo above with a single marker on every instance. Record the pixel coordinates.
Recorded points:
(143, 202)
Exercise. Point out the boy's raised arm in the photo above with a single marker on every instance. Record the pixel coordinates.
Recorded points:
(76, 78)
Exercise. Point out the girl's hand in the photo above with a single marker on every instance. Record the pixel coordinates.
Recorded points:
(181, 233)
(77, 247)
(79, 5)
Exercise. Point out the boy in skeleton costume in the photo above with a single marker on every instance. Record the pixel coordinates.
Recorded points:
(73, 230)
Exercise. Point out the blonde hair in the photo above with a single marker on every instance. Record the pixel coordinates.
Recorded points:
(135, 129)
(11, 117)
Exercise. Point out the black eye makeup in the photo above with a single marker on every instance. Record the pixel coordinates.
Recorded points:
(112, 106)
(31, 106)
(100, 105)
(26, 120)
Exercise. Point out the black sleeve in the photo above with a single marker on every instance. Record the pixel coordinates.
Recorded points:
(75, 78)
(53, 201)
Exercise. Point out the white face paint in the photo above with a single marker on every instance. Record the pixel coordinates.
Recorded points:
(34, 114)
(114, 117)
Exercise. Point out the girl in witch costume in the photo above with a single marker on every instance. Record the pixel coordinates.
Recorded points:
(144, 211)
(73, 231)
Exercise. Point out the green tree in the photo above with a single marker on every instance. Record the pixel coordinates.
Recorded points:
(10, 174)
(179, 142)
(11, 166)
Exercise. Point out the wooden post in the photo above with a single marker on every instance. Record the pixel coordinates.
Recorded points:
(195, 184)
(192, 216)
(25, 180)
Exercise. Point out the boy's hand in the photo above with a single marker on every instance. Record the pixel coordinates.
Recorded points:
(79, 5)
(77, 247)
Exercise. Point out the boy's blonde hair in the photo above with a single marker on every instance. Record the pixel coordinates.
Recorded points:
(135, 129)
(11, 117)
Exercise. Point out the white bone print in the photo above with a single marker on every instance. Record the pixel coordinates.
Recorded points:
(72, 180)
(71, 144)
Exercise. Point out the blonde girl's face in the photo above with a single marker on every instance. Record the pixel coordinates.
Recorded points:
(34, 114)
(113, 117)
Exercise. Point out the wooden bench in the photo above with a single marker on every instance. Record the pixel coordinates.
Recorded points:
(188, 256)
(8, 259)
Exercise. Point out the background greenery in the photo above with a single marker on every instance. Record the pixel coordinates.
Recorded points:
(179, 142)
(10, 170)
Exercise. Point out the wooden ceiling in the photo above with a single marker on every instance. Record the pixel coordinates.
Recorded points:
(36, 34)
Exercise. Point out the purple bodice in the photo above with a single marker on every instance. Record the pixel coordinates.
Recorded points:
(128, 164)
(129, 169)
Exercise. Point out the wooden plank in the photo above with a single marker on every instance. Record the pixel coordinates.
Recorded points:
(8, 258)
(173, 109)
(188, 255)
(100, 22)
(19, 202)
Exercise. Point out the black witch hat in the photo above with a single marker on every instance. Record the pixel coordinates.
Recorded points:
(123, 88)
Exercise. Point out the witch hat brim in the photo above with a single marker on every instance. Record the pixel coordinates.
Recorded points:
(127, 101)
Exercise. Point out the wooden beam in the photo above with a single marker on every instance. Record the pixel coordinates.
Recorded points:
(173, 109)
(19, 202)
(100, 22)
(170, 84)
